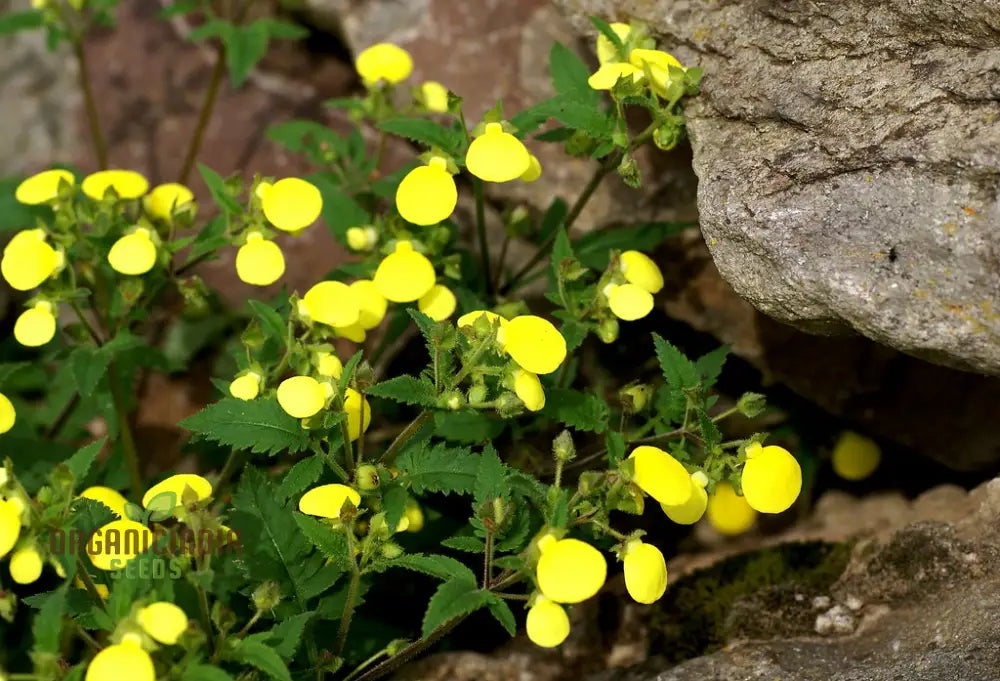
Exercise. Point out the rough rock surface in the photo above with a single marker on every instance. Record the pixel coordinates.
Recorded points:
(848, 160)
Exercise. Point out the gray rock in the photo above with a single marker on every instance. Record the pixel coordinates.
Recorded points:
(848, 159)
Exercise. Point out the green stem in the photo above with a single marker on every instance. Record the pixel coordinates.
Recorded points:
(411, 651)
(345, 433)
(206, 617)
(352, 596)
(90, 640)
(726, 414)
(90, 105)
(484, 247)
(609, 530)
(125, 433)
(405, 436)
(205, 114)
(488, 560)
(88, 583)
(249, 625)
(233, 462)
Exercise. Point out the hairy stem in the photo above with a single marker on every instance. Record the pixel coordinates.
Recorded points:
(349, 605)
(405, 436)
(88, 583)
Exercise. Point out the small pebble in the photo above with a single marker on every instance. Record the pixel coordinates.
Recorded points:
(836, 620)
(854, 603)
(821, 602)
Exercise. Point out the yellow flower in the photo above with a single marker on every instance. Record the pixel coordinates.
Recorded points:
(354, 332)
(301, 396)
(326, 501)
(372, 305)
(547, 623)
(497, 156)
(353, 406)
(115, 544)
(855, 456)
(332, 303)
(107, 496)
(28, 260)
(570, 571)
(164, 621)
(328, 365)
(10, 525)
(427, 195)
(36, 326)
(529, 390)
(645, 572)
(134, 253)
(362, 238)
(102, 589)
(729, 513)
(772, 478)
(384, 61)
(434, 96)
(470, 318)
(26, 565)
(660, 475)
(639, 269)
(125, 660)
(179, 484)
(628, 302)
(658, 62)
(414, 516)
(291, 204)
(245, 387)
(42, 187)
(438, 303)
(534, 170)
(404, 275)
(166, 199)
(127, 184)
(608, 75)
(8, 415)
(693, 509)
(606, 51)
(534, 343)
(259, 261)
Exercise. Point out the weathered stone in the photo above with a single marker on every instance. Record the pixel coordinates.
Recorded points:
(847, 157)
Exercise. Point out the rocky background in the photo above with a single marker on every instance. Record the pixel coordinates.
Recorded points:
(844, 169)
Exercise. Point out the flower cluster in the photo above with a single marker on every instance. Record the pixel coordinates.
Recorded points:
(158, 624)
(635, 62)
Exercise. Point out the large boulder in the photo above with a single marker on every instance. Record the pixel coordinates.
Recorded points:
(848, 159)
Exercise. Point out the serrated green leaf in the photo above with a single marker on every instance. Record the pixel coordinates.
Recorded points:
(615, 443)
(79, 464)
(454, 598)
(569, 76)
(261, 656)
(679, 372)
(217, 188)
(259, 426)
(575, 332)
(491, 478)
(300, 476)
(576, 115)
(394, 501)
(710, 364)
(286, 636)
(12, 22)
(245, 47)
(468, 426)
(528, 487)
(270, 320)
(425, 131)
(465, 543)
(709, 431)
(438, 469)
(47, 624)
(594, 248)
(407, 390)
(89, 366)
(205, 672)
(582, 411)
(442, 567)
(331, 543)
(561, 250)
(501, 612)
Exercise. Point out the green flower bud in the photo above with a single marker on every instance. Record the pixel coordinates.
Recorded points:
(628, 169)
(634, 398)
(751, 404)
(607, 330)
(563, 447)
(477, 394)
(266, 596)
(391, 551)
(367, 477)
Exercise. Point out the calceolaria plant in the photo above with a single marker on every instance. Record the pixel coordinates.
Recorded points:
(322, 476)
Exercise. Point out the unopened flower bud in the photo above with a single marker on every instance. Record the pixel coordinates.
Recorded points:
(477, 394)
(267, 595)
(391, 551)
(636, 397)
(563, 447)
(367, 477)
(628, 169)
(751, 404)
(607, 330)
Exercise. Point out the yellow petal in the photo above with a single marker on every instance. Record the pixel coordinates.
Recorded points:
(326, 501)
(640, 57)
(855, 456)
(292, 204)
(497, 156)
(404, 275)
(361, 238)
(333, 303)
(372, 305)
(438, 303)
(245, 387)
(113, 545)
(772, 478)
(329, 365)
(571, 571)
(608, 75)
(107, 496)
(35, 327)
(121, 661)
(133, 254)
(645, 572)
(415, 516)
(26, 565)
(42, 187)
(660, 475)
(28, 260)
(729, 513)
(470, 318)
(164, 621)
(259, 262)
(641, 270)
(166, 199)
(533, 172)
(10, 525)
(629, 302)
(301, 396)
(534, 343)
(353, 407)
(127, 184)
(606, 51)
(354, 332)
(529, 390)
(547, 623)
(180, 485)
(8, 415)
(435, 96)
(427, 195)
(384, 61)
(693, 509)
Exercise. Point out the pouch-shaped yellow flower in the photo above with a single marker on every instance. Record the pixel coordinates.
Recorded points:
(660, 475)
(606, 51)
(693, 509)
(329, 365)
(570, 571)
(164, 621)
(113, 545)
(326, 501)
(639, 57)
(434, 96)
(645, 572)
(414, 516)
(534, 343)
(291, 204)
(372, 305)
(180, 485)
(608, 75)
(8, 415)
(529, 390)
(855, 456)
(497, 156)
(127, 184)
(470, 318)
(547, 623)
(36, 326)
(628, 302)
(356, 420)
(259, 262)
(42, 187)
(534, 170)
(10, 525)
(107, 496)
(729, 513)
(438, 303)
(384, 62)
(125, 660)
(772, 478)
(133, 253)
(333, 303)
(26, 565)
(166, 199)
(301, 396)
(641, 270)
(427, 195)
(245, 387)
(404, 275)
(28, 260)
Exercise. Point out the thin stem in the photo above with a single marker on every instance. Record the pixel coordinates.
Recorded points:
(211, 94)
(513, 597)
(488, 560)
(91, 331)
(352, 596)
(345, 432)
(233, 462)
(609, 530)
(726, 414)
(88, 583)
(90, 104)
(90, 640)
(206, 617)
(249, 625)
(125, 433)
(53, 431)
(411, 651)
(484, 247)
(405, 436)
(501, 261)
(559, 471)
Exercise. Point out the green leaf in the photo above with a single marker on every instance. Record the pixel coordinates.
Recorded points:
(465, 543)
(425, 131)
(468, 426)
(594, 248)
(679, 372)
(300, 476)
(177, 8)
(205, 672)
(284, 30)
(442, 567)
(454, 598)
(270, 320)
(286, 636)
(562, 251)
(245, 47)
(340, 211)
(259, 426)
(709, 431)
(501, 612)
(438, 469)
(217, 188)
(407, 390)
(583, 411)
(47, 625)
(213, 28)
(331, 543)
(262, 657)
(615, 443)
(313, 139)
(569, 76)
(394, 504)
(575, 115)
(710, 364)
(89, 366)
(12, 22)
(575, 332)
(609, 33)
(79, 464)
(491, 478)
